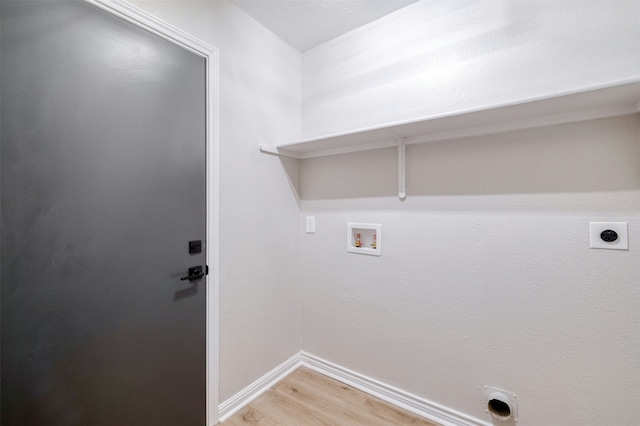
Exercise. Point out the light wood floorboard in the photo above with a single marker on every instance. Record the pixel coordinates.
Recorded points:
(306, 398)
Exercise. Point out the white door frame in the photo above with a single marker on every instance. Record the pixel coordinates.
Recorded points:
(148, 22)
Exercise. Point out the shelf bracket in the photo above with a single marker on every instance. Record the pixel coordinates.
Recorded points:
(402, 169)
(274, 150)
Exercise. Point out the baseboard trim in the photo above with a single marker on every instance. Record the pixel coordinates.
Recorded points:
(412, 403)
(417, 405)
(257, 388)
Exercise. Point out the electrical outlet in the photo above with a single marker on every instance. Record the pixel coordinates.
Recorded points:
(609, 235)
(311, 224)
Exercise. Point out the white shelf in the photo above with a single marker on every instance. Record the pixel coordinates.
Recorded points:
(622, 98)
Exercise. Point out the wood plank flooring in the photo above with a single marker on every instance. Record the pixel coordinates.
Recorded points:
(306, 398)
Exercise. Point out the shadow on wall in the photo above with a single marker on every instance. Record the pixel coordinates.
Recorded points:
(593, 156)
(291, 166)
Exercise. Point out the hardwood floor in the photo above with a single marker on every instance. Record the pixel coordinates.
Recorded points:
(306, 398)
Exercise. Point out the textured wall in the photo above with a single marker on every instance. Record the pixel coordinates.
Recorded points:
(259, 103)
(435, 57)
(486, 276)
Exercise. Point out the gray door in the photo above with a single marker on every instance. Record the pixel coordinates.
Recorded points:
(102, 188)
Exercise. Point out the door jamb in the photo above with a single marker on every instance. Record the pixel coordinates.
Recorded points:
(146, 21)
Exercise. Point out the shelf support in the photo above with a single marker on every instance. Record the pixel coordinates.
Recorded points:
(402, 169)
(274, 150)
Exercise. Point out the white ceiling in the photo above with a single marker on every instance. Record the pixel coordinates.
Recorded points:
(307, 23)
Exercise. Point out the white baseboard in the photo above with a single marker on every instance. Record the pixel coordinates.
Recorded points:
(420, 406)
(412, 403)
(257, 388)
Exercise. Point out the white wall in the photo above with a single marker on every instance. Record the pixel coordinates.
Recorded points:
(486, 276)
(434, 57)
(259, 212)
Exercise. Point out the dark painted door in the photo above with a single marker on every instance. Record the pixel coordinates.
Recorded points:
(102, 186)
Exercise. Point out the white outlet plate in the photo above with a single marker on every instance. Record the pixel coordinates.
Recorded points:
(311, 224)
(596, 228)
